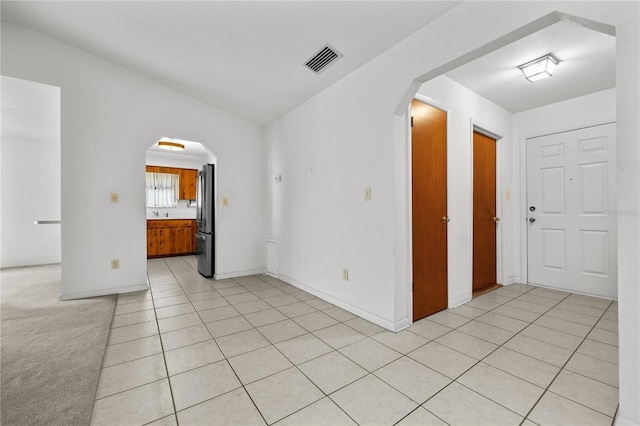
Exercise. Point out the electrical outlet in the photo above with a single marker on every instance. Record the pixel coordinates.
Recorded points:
(115, 197)
(115, 263)
(367, 194)
(345, 274)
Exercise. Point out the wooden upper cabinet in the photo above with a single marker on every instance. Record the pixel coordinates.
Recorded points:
(188, 178)
(161, 169)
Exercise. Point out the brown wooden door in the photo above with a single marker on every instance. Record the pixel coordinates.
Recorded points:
(484, 211)
(429, 201)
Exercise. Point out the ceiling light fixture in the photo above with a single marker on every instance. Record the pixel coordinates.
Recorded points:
(540, 68)
(171, 146)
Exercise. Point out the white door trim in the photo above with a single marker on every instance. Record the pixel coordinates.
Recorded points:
(500, 234)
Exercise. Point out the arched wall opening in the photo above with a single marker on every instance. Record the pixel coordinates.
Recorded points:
(192, 157)
(459, 281)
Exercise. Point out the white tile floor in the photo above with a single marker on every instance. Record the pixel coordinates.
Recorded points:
(255, 350)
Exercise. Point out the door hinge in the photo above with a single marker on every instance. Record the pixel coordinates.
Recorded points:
(412, 121)
(413, 286)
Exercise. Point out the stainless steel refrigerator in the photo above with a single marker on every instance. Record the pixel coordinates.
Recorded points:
(205, 219)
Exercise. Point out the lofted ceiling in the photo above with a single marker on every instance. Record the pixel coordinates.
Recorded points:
(246, 57)
(243, 57)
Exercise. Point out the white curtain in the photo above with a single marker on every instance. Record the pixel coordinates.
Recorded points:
(162, 189)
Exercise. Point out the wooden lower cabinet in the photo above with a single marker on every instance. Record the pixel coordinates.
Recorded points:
(171, 237)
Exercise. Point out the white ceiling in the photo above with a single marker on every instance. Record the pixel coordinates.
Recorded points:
(587, 65)
(245, 58)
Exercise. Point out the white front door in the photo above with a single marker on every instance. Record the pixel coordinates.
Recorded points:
(571, 210)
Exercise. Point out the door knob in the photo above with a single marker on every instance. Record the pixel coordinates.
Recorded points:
(496, 219)
(445, 219)
(532, 219)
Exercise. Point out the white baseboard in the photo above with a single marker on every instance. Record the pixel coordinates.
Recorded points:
(581, 293)
(512, 280)
(461, 300)
(236, 274)
(105, 292)
(402, 324)
(619, 421)
(384, 323)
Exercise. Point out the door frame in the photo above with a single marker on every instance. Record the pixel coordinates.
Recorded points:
(524, 229)
(408, 176)
(477, 126)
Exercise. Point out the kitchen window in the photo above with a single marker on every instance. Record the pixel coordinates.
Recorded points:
(162, 189)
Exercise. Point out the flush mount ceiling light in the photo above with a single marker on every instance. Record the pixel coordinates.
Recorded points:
(171, 146)
(539, 69)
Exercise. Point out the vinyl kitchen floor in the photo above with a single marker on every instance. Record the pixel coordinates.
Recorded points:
(255, 350)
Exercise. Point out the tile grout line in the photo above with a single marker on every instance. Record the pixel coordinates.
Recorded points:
(562, 369)
(164, 358)
(293, 365)
(524, 418)
(307, 377)
(226, 359)
(406, 355)
(455, 380)
(319, 356)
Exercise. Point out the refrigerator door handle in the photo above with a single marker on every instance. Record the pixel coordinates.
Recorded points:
(199, 194)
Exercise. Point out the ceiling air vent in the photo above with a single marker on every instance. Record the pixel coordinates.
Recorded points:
(322, 59)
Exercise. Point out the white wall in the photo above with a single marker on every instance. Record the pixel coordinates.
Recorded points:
(354, 134)
(596, 108)
(30, 173)
(110, 116)
(466, 109)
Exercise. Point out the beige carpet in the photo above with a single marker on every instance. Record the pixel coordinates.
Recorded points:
(51, 351)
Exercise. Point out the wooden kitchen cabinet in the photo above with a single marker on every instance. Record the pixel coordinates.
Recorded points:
(188, 179)
(171, 237)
